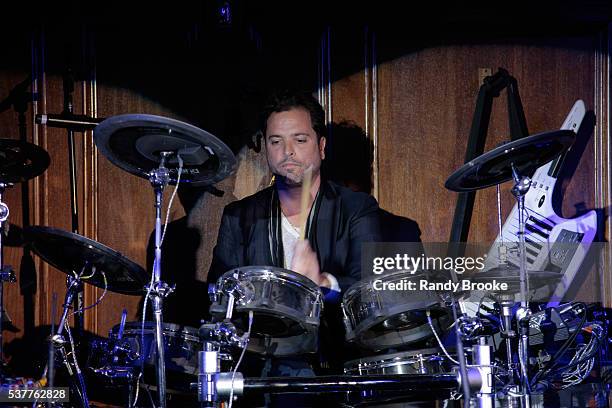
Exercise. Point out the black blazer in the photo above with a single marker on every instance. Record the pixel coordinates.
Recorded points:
(345, 220)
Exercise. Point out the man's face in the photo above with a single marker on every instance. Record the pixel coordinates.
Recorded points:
(292, 146)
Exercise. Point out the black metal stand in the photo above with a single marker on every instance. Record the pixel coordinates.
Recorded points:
(68, 84)
(491, 88)
(521, 187)
(159, 179)
(346, 383)
(6, 272)
(478, 133)
(74, 285)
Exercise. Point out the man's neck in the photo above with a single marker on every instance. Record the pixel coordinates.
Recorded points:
(290, 196)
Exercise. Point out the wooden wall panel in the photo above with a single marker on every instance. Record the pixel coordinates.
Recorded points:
(56, 188)
(427, 101)
(349, 47)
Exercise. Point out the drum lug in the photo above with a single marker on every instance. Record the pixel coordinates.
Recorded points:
(213, 294)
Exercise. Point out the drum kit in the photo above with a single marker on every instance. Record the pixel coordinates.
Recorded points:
(273, 312)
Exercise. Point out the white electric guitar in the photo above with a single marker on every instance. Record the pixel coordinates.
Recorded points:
(552, 243)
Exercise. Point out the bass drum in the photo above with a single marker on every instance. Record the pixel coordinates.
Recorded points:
(380, 319)
(286, 308)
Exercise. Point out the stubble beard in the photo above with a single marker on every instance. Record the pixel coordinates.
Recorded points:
(291, 178)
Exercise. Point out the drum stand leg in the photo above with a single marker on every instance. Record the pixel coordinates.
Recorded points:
(506, 318)
(463, 372)
(58, 341)
(520, 188)
(159, 179)
(6, 274)
(482, 356)
(209, 367)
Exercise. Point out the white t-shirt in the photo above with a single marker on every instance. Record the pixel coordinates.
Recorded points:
(291, 235)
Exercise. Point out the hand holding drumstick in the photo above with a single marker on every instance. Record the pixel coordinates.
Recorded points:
(305, 260)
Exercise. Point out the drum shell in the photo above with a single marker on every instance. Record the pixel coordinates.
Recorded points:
(181, 345)
(423, 361)
(281, 298)
(367, 312)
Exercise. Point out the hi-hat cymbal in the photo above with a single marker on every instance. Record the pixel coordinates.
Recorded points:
(511, 276)
(495, 167)
(508, 275)
(134, 143)
(21, 161)
(71, 252)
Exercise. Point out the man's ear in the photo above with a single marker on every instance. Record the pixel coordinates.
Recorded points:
(322, 142)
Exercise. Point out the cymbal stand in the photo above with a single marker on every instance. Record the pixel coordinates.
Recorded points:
(520, 188)
(159, 178)
(505, 305)
(6, 272)
(73, 285)
(483, 357)
(209, 359)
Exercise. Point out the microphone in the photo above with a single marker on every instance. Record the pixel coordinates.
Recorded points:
(79, 123)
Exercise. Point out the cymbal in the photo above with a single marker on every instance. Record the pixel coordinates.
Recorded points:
(21, 161)
(134, 142)
(70, 252)
(512, 277)
(495, 166)
(509, 275)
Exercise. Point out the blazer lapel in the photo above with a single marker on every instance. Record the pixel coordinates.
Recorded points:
(257, 241)
(326, 226)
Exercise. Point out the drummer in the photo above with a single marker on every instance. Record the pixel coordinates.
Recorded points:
(264, 229)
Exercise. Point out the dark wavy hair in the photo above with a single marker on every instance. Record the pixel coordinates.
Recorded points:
(289, 99)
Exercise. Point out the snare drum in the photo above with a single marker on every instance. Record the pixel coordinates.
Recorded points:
(376, 318)
(424, 361)
(286, 308)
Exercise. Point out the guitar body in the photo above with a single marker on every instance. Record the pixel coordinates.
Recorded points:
(553, 243)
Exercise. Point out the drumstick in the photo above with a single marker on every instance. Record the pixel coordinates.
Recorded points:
(305, 201)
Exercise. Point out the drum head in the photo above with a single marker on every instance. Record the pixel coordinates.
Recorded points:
(286, 308)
